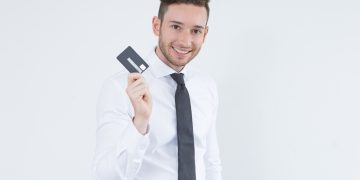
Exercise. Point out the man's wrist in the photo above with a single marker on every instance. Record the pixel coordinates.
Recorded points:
(141, 125)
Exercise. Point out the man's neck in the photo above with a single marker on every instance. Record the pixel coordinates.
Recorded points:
(161, 56)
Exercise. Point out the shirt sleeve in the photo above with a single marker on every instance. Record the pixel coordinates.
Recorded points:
(212, 155)
(120, 148)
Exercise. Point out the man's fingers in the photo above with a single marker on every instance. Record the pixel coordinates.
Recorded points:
(137, 88)
(133, 77)
(147, 97)
(136, 83)
(141, 93)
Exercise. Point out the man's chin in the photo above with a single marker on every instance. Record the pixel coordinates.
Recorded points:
(180, 62)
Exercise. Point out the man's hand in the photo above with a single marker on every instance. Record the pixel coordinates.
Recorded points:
(140, 98)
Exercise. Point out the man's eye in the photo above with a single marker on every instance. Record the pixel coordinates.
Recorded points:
(196, 31)
(176, 27)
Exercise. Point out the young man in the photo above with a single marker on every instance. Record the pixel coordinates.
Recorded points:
(161, 125)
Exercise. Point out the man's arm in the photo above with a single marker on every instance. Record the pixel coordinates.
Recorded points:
(120, 145)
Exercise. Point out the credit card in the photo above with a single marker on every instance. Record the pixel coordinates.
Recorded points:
(132, 61)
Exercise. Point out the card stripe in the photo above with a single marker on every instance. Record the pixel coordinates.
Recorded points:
(134, 65)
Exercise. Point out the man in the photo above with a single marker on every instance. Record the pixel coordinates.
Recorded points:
(160, 125)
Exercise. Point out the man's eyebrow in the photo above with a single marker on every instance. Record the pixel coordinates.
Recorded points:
(180, 23)
(199, 27)
(177, 22)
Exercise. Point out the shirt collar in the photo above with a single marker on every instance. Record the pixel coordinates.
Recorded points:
(160, 69)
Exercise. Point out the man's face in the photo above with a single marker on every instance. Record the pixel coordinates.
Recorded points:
(181, 33)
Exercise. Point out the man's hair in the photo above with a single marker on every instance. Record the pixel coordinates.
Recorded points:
(165, 4)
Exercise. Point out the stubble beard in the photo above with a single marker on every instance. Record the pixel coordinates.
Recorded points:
(164, 48)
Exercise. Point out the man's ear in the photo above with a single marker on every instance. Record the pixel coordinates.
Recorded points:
(156, 23)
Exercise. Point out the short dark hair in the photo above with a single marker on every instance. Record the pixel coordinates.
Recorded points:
(165, 4)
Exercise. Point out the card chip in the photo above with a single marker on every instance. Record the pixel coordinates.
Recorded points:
(142, 67)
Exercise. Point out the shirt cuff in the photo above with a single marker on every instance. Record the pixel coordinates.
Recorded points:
(133, 141)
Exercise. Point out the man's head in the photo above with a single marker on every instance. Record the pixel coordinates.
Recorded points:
(182, 27)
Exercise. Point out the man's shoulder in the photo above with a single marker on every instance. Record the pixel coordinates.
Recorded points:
(202, 76)
(118, 79)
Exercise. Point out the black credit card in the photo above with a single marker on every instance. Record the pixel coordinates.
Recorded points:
(132, 61)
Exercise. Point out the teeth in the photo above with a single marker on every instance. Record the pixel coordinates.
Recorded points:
(180, 51)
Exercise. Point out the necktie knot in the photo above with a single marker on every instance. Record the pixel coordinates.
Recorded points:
(178, 78)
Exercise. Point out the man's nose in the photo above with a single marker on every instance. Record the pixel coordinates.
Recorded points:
(185, 39)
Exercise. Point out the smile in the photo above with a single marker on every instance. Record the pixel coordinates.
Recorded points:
(181, 51)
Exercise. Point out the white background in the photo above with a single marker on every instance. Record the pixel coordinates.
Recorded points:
(287, 71)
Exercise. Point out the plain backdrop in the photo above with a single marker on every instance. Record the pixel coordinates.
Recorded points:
(287, 72)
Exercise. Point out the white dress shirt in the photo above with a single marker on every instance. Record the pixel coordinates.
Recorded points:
(122, 153)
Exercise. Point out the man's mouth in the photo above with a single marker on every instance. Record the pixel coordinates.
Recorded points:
(181, 51)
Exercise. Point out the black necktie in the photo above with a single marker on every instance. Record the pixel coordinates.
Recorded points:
(185, 137)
